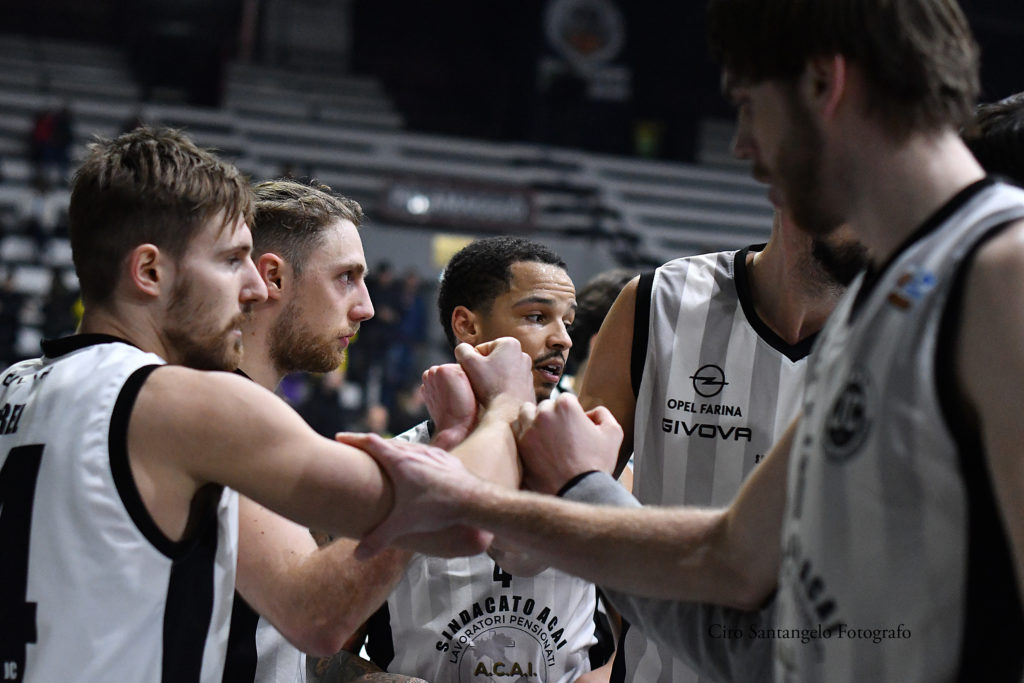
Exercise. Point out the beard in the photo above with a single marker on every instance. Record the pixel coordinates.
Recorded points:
(295, 347)
(200, 342)
(839, 261)
(800, 168)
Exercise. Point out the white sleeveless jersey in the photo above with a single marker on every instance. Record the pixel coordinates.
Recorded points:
(90, 589)
(257, 652)
(716, 389)
(895, 562)
(465, 619)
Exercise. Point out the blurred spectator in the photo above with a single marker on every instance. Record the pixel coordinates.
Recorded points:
(50, 143)
(403, 365)
(376, 420)
(332, 403)
(59, 318)
(41, 215)
(370, 354)
(409, 410)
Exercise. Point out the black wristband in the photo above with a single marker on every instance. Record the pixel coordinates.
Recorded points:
(575, 480)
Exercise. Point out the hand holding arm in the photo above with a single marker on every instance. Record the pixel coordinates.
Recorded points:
(501, 375)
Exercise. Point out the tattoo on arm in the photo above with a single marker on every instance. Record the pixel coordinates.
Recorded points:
(345, 667)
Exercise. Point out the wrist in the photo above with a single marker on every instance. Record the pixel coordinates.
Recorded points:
(502, 407)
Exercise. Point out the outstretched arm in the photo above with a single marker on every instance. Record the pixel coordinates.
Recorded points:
(190, 428)
(728, 557)
(607, 381)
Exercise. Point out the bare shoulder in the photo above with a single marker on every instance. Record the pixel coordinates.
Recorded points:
(184, 416)
(196, 397)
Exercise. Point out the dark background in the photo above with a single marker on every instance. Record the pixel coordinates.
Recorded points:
(468, 67)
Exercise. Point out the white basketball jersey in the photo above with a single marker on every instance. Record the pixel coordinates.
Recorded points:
(717, 388)
(895, 562)
(257, 652)
(90, 589)
(465, 619)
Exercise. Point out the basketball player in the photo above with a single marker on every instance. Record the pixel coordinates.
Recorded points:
(308, 253)
(703, 361)
(471, 617)
(897, 547)
(119, 464)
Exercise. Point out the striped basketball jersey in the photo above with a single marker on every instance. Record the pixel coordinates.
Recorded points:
(716, 388)
(466, 619)
(90, 588)
(895, 562)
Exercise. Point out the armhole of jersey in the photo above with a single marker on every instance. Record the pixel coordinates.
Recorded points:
(380, 643)
(990, 569)
(121, 470)
(600, 653)
(641, 330)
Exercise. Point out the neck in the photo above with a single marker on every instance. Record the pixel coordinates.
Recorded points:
(897, 188)
(787, 297)
(136, 326)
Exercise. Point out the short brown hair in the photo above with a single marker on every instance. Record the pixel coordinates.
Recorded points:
(151, 185)
(918, 55)
(291, 217)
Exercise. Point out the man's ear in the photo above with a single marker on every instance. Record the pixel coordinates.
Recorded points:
(147, 269)
(273, 271)
(826, 83)
(466, 326)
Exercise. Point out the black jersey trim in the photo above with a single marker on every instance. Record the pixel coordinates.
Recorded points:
(601, 651)
(874, 274)
(380, 641)
(121, 470)
(641, 330)
(241, 660)
(741, 275)
(54, 348)
(993, 625)
(189, 606)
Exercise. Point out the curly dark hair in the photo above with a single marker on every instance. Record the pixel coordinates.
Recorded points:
(996, 137)
(481, 272)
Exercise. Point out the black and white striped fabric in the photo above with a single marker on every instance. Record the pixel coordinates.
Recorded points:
(716, 388)
(896, 566)
(463, 619)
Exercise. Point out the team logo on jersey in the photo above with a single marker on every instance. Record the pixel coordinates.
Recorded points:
(910, 287)
(709, 380)
(849, 419)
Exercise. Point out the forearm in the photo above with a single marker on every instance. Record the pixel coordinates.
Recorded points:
(702, 634)
(333, 593)
(631, 550)
(490, 451)
(314, 596)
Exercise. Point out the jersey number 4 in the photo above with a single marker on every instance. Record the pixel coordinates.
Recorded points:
(17, 617)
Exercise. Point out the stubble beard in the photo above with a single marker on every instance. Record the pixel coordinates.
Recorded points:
(199, 342)
(295, 347)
